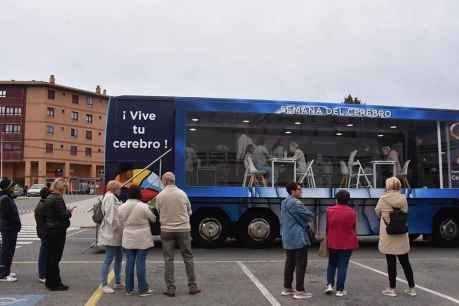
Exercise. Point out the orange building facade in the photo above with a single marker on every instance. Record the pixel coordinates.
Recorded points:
(50, 130)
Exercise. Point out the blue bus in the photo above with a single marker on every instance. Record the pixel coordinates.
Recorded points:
(234, 157)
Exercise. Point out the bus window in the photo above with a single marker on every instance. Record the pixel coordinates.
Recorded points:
(226, 148)
(451, 161)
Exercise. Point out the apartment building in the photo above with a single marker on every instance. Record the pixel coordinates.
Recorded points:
(49, 130)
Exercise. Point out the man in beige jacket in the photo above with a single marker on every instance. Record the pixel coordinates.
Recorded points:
(174, 210)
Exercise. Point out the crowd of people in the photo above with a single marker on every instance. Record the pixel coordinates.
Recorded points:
(125, 230)
(341, 240)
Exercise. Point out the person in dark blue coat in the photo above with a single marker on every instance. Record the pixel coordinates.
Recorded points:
(10, 226)
(295, 218)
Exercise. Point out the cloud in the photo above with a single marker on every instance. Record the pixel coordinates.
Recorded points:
(383, 51)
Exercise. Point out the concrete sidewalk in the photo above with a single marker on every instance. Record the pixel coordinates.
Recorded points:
(81, 217)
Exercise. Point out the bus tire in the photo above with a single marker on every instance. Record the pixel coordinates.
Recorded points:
(209, 228)
(446, 229)
(258, 229)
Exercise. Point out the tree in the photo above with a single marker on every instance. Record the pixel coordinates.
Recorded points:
(350, 100)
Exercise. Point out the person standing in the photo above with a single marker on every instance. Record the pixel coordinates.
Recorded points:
(110, 234)
(10, 226)
(341, 241)
(295, 240)
(136, 239)
(57, 221)
(394, 246)
(174, 210)
(40, 220)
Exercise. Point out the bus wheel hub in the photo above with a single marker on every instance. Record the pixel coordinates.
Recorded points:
(210, 228)
(259, 229)
(449, 229)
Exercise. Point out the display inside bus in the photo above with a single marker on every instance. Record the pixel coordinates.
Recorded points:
(224, 148)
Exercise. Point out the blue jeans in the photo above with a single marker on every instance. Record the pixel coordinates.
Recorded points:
(137, 259)
(42, 259)
(338, 260)
(111, 252)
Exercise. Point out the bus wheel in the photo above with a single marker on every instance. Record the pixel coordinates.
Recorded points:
(446, 230)
(210, 228)
(258, 229)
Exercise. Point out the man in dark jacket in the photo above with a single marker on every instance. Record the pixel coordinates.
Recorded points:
(10, 226)
(40, 220)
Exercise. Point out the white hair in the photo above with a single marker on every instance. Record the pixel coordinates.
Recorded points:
(168, 178)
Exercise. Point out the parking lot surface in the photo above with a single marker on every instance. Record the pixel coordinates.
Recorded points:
(235, 276)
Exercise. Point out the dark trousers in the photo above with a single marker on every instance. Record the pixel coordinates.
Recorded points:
(56, 243)
(183, 239)
(295, 261)
(338, 260)
(392, 269)
(7, 252)
(42, 259)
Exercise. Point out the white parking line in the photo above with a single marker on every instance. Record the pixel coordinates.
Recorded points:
(433, 292)
(271, 299)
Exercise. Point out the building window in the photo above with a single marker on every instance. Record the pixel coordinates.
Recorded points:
(2, 93)
(51, 112)
(51, 94)
(73, 150)
(62, 129)
(73, 132)
(100, 133)
(49, 148)
(62, 146)
(89, 118)
(100, 150)
(87, 152)
(75, 116)
(100, 117)
(89, 135)
(89, 101)
(50, 130)
(12, 129)
(75, 99)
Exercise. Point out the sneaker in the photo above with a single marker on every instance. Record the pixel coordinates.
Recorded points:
(194, 291)
(329, 289)
(302, 295)
(341, 293)
(42, 280)
(146, 292)
(60, 288)
(12, 274)
(9, 278)
(107, 289)
(118, 286)
(410, 291)
(129, 293)
(287, 292)
(389, 292)
(169, 292)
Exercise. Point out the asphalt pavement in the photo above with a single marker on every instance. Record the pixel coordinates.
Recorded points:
(235, 276)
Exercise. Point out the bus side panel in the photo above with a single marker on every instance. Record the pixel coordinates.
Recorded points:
(139, 130)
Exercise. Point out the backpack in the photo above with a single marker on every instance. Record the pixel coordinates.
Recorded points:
(97, 212)
(398, 223)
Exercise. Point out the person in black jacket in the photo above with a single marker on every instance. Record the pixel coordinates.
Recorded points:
(40, 220)
(10, 226)
(57, 218)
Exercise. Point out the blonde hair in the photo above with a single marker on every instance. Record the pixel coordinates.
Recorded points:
(113, 185)
(58, 185)
(393, 183)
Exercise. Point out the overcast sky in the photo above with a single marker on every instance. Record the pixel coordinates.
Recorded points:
(385, 52)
